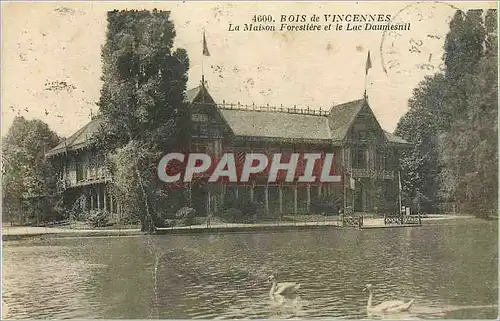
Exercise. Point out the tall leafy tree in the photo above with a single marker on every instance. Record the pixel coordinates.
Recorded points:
(468, 149)
(420, 127)
(141, 102)
(29, 181)
(453, 121)
(468, 142)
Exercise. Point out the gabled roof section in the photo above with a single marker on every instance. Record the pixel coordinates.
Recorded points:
(279, 125)
(341, 118)
(192, 94)
(77, 140)
(80, 138)
(391, 138)
(198, 95)
(367, 110)
(261, 124)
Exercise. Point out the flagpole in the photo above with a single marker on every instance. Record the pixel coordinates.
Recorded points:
(205, 52)
(367, 68)
(399, 181)
(344, 178)
(202, 70)
(366, 78)
(202, 59)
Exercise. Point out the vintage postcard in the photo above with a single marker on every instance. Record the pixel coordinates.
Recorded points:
(249, 160)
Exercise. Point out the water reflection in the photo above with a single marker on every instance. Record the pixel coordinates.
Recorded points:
(450, 270)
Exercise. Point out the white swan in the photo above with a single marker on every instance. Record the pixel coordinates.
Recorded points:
(394, 306)
(282, 289)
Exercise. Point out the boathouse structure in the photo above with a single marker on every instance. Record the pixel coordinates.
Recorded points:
(366, 156)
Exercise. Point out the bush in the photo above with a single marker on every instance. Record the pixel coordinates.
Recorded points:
(245, 212)
(168, 223)
(233, 215)
(130, 220)
(252, 211)
(98, 218)
(78, 210)
(186, 216)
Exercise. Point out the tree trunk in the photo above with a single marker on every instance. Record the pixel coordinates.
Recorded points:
(147, 222)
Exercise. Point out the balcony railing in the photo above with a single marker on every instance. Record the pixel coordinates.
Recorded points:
(98, 177)
(372, 173)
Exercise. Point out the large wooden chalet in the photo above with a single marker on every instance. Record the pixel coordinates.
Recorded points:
(364, 152)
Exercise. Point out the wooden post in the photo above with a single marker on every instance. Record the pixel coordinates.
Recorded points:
(353, 197)
(344, 201)
(91, 198)
(111, 208)
(364, 198)
(222, 194)
(105, 199)
(280, 189)
(209, 205)
(308, 198)
(267, 198)
(295, 199)
(98, 191)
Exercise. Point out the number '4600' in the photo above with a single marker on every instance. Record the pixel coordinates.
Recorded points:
(262, 18)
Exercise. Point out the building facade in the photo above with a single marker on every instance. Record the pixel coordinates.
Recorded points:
(366, 156)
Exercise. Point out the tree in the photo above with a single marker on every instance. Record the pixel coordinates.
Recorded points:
(464, 43)
(468, 144)
(141, 102)
(29, 181)
(452, 122)
(419, 126)
(468, 151)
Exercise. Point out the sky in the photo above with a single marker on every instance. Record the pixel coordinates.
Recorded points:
(51, 55)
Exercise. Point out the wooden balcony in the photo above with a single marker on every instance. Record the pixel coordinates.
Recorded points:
(94, 178)
(372, 173)
(92, 181)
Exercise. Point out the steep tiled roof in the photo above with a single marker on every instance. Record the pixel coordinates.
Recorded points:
(77, 140)
(192, 93)
(196, 94)
(276, 124)
(341, 118)
(261, 124)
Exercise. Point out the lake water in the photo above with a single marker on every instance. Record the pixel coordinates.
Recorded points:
(449, 268)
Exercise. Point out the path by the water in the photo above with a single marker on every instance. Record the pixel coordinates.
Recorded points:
(16, 232)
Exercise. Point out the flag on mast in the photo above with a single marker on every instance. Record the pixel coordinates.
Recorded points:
(205, 47)
(367, 67)
(368, 63)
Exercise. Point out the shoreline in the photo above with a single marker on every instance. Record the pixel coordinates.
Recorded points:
(27, 232)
